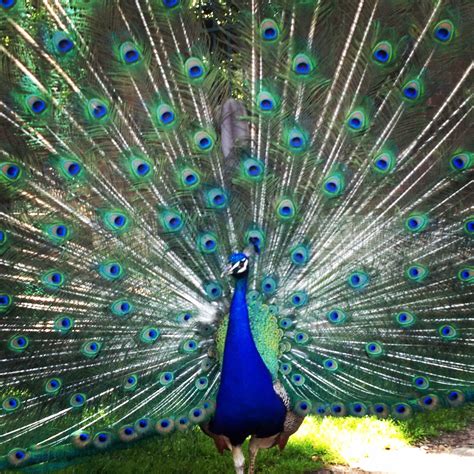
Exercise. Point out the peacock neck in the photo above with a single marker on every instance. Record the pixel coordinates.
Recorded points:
(239, 332)
(240, 351)
(240, 347)
(239, 302)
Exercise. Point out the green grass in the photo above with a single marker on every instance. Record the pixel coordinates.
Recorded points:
(435, 423)
(319, 442)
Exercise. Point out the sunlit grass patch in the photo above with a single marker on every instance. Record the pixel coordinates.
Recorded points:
(342, 440)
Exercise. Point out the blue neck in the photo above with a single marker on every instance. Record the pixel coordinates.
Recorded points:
(242, 360)
(239, 333)
(240, 351)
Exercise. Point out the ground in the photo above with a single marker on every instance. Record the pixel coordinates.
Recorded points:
(431, 442)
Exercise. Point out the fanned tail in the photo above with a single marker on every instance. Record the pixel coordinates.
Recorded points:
(143, 142)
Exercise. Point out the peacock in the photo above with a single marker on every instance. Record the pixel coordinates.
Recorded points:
(230, 214)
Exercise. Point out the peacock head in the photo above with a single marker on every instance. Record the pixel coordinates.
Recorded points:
(238, 265)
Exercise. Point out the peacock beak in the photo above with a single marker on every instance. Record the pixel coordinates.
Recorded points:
(227, 270)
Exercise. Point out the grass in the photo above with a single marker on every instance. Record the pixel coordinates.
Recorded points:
(435, 423)
(319, 442)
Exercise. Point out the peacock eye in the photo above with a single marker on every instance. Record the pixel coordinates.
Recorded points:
(11, 172)
(461, 161)
(286, 209)
(334, 185)
(416, 222)
(130, 383)
(127, 433)
(97, 109)
(36, 104)
(111, 270)
(62, 43)
(102, 440)
(269, 30)
(195, 69)
(121, 308)
(421, 382)
(216, 198)
(129, 53)
(416, 272)
(357, 121)
(447, 332)
(139, 168)
(52, 386)
(266, 102)
(443, 31)
(149, 334)
(7, 4)
(358, 279)
(116, 221)
(382, 53)
(77, 400)
(384, 162)
(253, 169)
(412, 90)
(302, 65)
(53, 279)
(166, 116)
(204, 141)
(10, 404)
(91, 349)
(170, 3)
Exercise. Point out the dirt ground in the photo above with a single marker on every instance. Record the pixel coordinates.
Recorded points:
(452, 453)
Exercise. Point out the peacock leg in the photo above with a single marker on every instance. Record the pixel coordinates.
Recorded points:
(239, 459)
(253, 450)
(256, 444)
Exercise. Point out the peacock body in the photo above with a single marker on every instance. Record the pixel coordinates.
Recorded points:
(231, 214)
